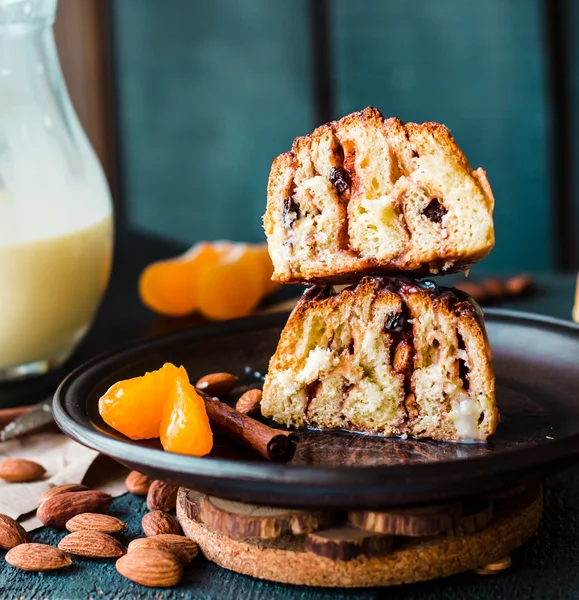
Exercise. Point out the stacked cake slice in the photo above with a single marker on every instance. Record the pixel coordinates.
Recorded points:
(370, 201)
(365, 195)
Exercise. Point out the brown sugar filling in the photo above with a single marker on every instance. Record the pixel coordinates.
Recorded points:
(462, 366)
(435, 211)
(402, 354)
(342, 182)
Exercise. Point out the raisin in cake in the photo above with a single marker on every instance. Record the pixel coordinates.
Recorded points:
(366, 194)
(387, 356)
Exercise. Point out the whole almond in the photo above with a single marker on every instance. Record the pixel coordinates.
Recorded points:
(60, 489)
(16, 470)
(151, 567)
(37, 557)
(493, 287)
(473, 289)
(249, 402)
(56, 511)
(403, 356)
(137, 483)
(518, 284)
(11, 533)
(157, 522)
(178, 540)
(95, 522)
(92, 544)
(217, 384)
(162, 496)
(152, 542)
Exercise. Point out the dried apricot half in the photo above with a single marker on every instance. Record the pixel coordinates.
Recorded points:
(169, 287)
(160, 404)
(185, 425)
(135, 406)
(262, 253)
(233, 286)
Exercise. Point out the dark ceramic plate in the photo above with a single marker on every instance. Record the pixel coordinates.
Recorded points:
(537, 366)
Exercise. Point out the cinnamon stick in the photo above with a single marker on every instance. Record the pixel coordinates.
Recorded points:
(493, 289)
(270, 443)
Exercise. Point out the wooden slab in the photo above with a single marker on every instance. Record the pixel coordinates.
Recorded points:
(239, 519)
(286, 559)
(418, 521)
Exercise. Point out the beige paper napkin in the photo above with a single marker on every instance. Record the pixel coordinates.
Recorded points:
(65, 461)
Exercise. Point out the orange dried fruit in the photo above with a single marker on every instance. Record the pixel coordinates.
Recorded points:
(169, 287)
(233, 286)
(135, 406)
(161, 404)
(262, 253)
(222, 279)
(169, 372)
(185, 425)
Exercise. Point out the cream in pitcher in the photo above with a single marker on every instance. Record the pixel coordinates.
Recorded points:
(51, 283)
(55, 207)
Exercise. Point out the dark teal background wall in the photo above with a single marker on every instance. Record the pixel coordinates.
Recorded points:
(572, 131)
(477, 66)
(210, 92)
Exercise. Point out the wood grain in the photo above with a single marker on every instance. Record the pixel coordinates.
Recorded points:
(262, 522)
(347, 543)
(284, 560)
(413, 522)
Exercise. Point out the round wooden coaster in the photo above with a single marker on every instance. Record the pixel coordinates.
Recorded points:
(286, 559)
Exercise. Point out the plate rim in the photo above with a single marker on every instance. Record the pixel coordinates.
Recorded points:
(559, 450)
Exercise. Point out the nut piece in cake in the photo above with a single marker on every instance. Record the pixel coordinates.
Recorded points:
(367, 194)
(387, 356)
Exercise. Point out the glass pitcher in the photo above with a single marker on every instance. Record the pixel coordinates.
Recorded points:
(56, 231)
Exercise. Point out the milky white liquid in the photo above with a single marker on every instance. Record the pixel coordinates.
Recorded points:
(55, 205)
(50, 289)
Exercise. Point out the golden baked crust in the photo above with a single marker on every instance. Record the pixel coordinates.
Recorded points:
(366, 194)
(387, 356)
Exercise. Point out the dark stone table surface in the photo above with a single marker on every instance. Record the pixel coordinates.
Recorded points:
(546, 567)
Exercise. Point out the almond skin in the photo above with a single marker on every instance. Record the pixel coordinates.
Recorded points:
(16, 470)
(162, 496)
(518, 284)
(137, 483)
(151, 567)
(92, 544)
(56, 511)
(37, 557)
(60, 489)
(403, 356)
(249, 402)
(95, 522)
(178, 540)
(217, 384)
(152, 542)
(11, 533)
(157, 522)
